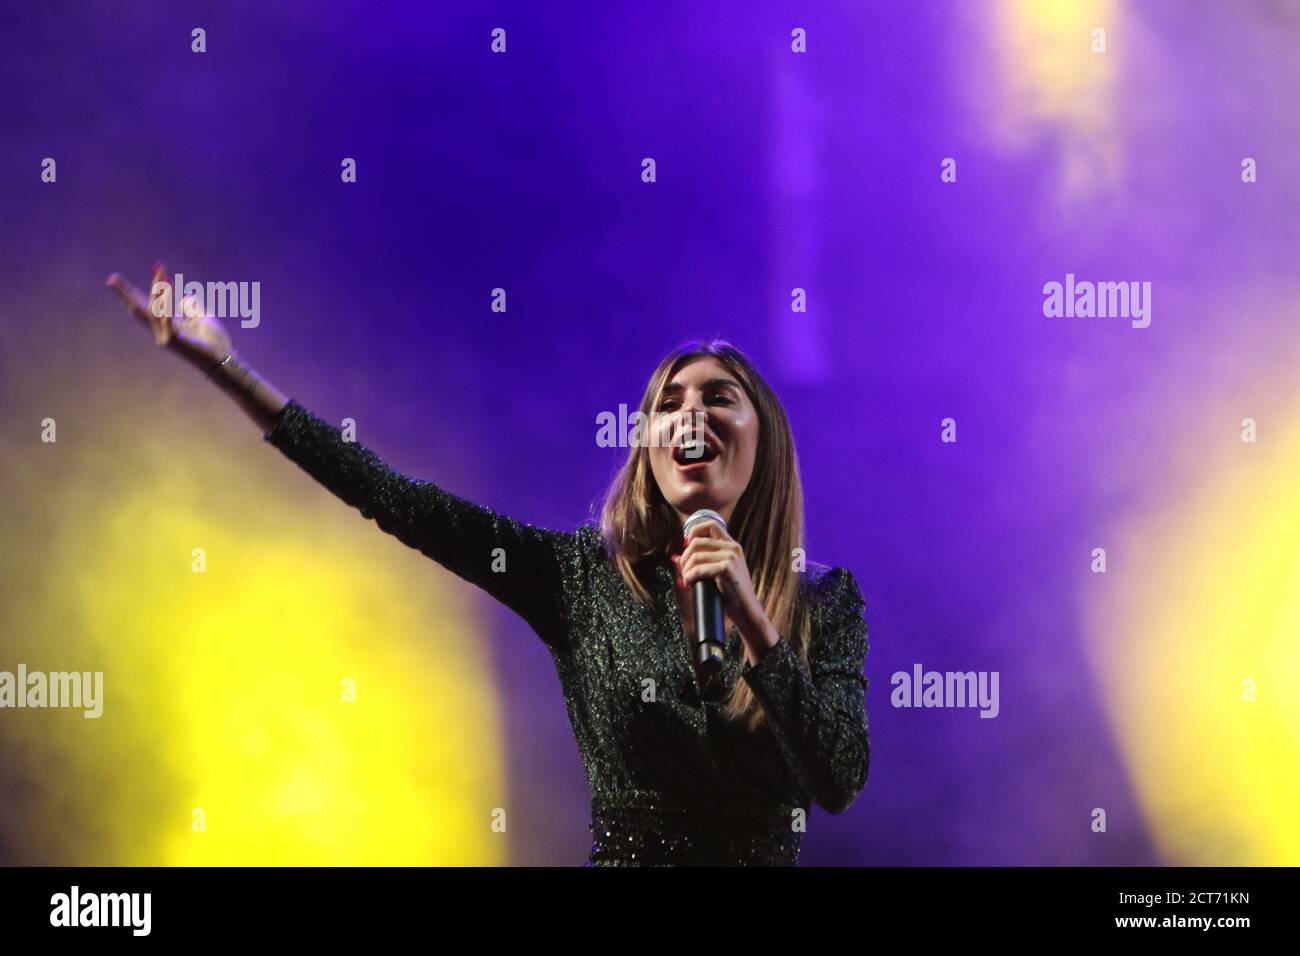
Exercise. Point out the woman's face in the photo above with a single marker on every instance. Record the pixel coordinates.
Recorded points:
(703, 393)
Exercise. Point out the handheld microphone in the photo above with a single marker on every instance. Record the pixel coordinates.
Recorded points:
(710, 641)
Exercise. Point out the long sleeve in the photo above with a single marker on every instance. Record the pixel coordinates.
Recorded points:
(468, 539)
(819, 719)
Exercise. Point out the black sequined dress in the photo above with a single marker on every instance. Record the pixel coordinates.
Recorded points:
(672, 782)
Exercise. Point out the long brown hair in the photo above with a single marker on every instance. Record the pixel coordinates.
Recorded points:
(638, 524)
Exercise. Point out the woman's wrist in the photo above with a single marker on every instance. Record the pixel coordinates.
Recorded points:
(212, 367)
(259, 398)
(758, 634)
(230, 373)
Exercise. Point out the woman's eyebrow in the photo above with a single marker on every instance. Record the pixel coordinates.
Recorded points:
(675, 387)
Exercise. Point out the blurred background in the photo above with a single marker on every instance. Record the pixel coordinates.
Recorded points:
(1162, 692)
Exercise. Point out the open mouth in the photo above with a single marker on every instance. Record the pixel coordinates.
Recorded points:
(694, 453)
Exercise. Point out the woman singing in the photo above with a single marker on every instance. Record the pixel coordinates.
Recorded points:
(678, 775)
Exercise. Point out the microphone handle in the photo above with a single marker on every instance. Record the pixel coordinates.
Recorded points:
(709, 638)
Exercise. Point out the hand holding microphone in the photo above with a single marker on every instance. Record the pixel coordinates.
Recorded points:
(713, 563)
(710, 635)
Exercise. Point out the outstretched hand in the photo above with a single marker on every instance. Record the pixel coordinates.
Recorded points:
(195, 336)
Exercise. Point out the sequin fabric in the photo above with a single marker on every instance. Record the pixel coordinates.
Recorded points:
(672, 781)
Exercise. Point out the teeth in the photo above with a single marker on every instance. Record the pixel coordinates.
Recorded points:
(694, 452)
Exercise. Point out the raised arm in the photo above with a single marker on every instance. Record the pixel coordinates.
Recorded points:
(202, 341)
(818, 715)
(522, 566)
(531, 570)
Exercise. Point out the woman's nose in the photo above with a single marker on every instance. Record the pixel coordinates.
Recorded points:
(691, 419)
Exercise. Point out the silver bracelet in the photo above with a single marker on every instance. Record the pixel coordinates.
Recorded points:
(213, 370)
(242, 384)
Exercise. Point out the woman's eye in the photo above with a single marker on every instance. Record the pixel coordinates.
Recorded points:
(666, 406)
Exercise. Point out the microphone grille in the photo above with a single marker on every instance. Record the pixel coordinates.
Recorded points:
(701, 516)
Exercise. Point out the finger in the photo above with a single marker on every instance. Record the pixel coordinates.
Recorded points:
(161, 303)
(160, 288)
(190, 307)
(709, 546)
(692, 558)
(707, 543)
(704, 571)
(708, 529)
(138, 305)
(159, 282)
(188, 314)
(131, 297)
(697, 558)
